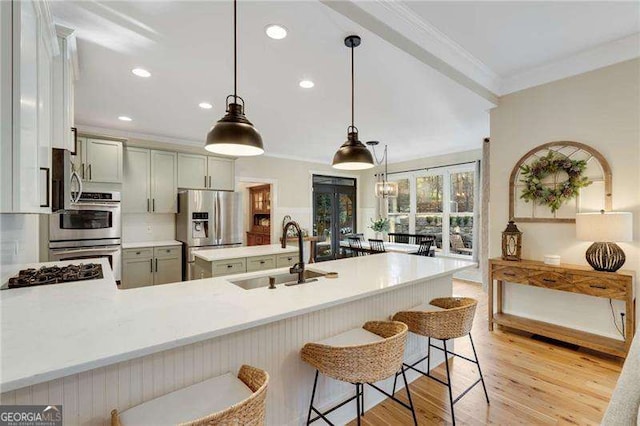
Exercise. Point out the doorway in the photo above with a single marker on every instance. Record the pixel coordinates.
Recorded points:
(334, 213)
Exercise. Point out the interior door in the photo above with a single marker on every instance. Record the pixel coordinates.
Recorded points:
(334, 213)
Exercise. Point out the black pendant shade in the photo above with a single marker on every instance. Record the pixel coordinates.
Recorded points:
(233, 134)
(352, 155)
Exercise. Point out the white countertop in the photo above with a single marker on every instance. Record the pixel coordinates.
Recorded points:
(212, 255)
(144, 244)
(48, 332)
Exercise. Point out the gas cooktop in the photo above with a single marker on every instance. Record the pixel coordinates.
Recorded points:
(55, 275)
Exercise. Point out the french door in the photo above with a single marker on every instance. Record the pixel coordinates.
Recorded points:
(334, 213)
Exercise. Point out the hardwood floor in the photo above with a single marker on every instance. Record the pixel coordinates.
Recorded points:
(529, 381)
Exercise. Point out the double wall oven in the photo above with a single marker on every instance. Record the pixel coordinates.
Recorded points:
(90, 227)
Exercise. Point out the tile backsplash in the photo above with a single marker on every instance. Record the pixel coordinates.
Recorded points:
(141, 227)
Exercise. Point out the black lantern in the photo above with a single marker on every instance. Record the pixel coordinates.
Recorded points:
(512, 242)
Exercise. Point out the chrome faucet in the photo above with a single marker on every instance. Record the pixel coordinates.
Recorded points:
(298, 268)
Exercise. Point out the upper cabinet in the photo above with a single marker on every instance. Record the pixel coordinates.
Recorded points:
(206, 172)
(150, 181)
(28, 47)
(98, 160)
(65, 72)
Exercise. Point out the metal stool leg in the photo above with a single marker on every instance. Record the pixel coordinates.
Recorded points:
(486, 395)
(362, 403)
(313, 394)
(358, 401)
(406, 386)
(429, 356)
(446, 363)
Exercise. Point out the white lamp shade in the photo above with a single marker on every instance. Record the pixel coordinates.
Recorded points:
(612, 227)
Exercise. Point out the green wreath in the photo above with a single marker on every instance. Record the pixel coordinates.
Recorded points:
(553, 197)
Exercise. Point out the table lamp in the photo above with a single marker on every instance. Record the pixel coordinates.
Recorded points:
(605, 229)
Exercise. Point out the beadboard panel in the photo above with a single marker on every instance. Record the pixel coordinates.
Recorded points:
(88, 397)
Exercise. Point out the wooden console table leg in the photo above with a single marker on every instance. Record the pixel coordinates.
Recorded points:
(499, 298)
(629, 320)
(490, 301)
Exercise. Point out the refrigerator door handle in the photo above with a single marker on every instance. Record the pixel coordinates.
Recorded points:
(218, 218)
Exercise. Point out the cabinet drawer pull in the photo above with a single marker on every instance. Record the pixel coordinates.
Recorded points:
(603, 287)
(229, 266)
(262, 262)
(548, 280)
(137, 252)
(289, 258)
(508, 274)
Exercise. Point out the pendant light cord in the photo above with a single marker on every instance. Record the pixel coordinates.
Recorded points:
(235, 51)
(352, 90)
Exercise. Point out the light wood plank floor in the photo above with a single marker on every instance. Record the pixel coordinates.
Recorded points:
(529, 381)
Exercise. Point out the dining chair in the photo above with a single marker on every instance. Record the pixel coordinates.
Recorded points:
(376, 246)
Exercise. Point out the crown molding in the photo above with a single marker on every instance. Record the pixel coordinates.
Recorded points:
(403, 19)
(124, 134)
(392, 21)
(588, 60)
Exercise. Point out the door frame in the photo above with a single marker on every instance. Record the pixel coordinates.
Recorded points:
(357, 211)
(274, 200)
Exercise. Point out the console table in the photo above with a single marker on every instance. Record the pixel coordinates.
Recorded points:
(571, 278)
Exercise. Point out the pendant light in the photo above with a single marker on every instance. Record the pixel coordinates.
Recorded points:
(352, 155)
(384, 188)
(233, 134)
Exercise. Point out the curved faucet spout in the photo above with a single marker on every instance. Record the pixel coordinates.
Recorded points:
(298, 267)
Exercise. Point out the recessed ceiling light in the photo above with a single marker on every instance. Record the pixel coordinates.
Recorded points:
(205, 105)
(276, 32)
(306, 84)
(141, 72)
(124, 118)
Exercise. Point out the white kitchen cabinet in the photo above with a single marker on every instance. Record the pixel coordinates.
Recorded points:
(102, 160)
(150, 182)
(205, 172)
(65, 72)
(148, 266)
(192, 171)
(221, 173)
(27, 47)
(164, 182)
(136, 185)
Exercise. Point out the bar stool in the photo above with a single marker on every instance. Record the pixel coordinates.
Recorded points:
(359, 356)
(443, 319)
(221, 400)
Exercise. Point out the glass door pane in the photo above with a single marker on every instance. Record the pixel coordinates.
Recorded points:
(461, 215)
(346, 216)
(323, 206)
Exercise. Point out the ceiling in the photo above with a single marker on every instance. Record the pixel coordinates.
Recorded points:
(514, 36)
(187, 46)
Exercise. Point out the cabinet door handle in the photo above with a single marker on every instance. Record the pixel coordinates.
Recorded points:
(89, 171)
(148, 205)
(205, 181)
(156, 265)
(82, 168)
(151, 262)
(548, 280)
(153, 203)
(603, 287)
(209, 181)
(74, 130)
(47, 202)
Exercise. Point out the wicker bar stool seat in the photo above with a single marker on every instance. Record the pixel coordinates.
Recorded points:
(224, 399)
(444, 319)
(359, 356)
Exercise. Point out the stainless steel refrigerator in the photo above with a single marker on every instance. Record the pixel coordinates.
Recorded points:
(207, 220)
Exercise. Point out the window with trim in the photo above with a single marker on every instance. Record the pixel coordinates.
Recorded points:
(438, 202)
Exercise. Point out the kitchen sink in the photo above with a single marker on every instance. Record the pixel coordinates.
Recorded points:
(286, 279)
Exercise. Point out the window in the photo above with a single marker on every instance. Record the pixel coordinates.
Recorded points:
(438, 202)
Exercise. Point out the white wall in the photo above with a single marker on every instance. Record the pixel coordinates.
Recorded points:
(18, 239)
(601, 109)
(143, 227)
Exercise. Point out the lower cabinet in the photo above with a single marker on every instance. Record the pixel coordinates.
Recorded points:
(220, 268)
(286, 260)
(261, 263)
(151, 266)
